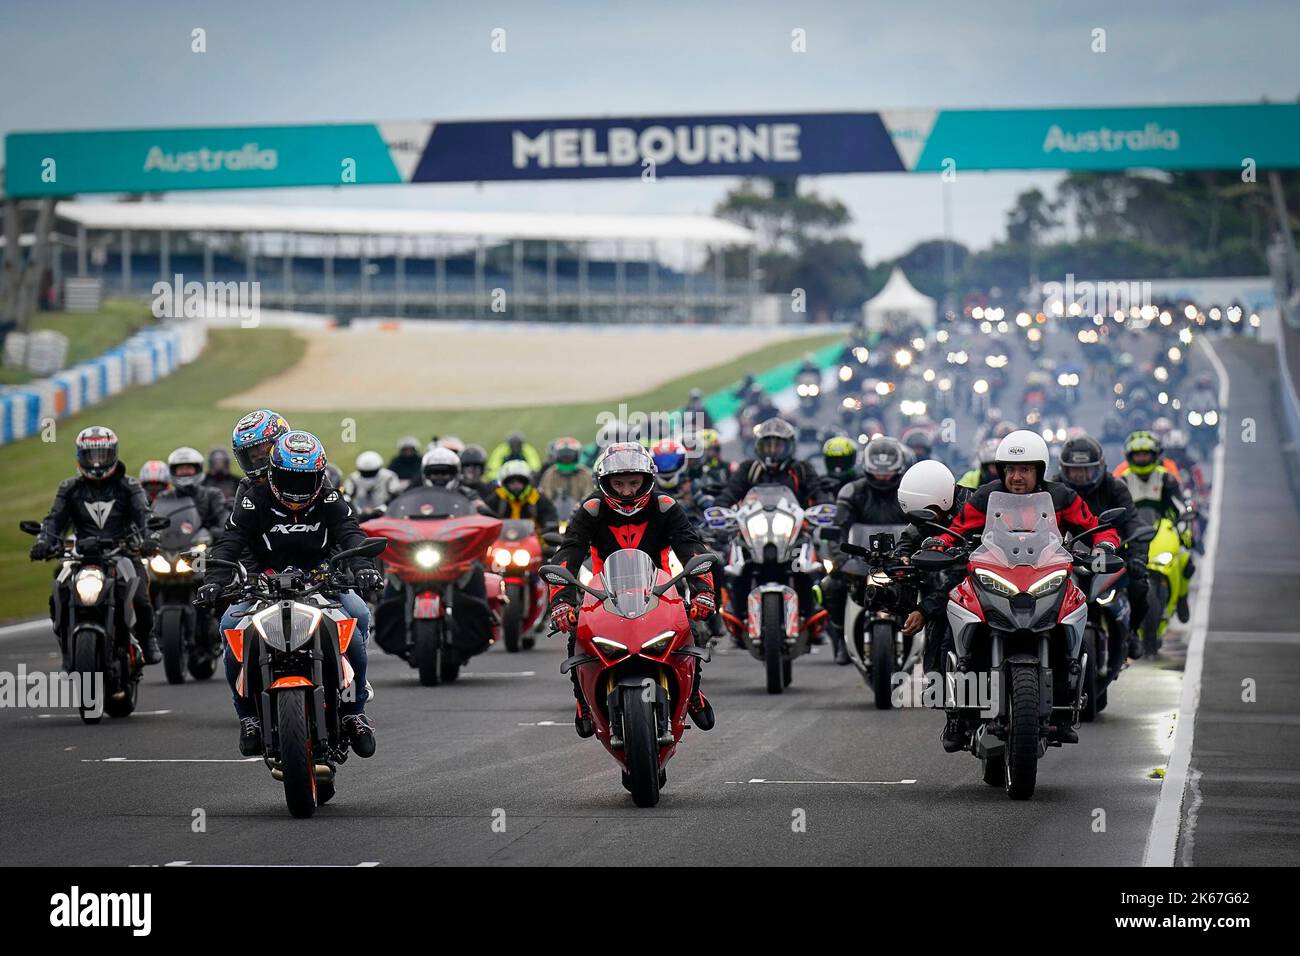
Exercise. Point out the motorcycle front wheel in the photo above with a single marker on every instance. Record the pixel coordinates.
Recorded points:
(640, 747)
(84, 661)
(296, 761)
(1022, 733)
(882, 663)
(171, 638)
(427, 651)
(773, 634)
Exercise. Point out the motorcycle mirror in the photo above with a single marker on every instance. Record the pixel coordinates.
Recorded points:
(856, 550)
(935, 560)
(158, 522)
(557, 574)
(1110, 515)
(830, 534)
(700, 564)
(1141, 536)
(553, 538)
(1113, 564)
(29, 527)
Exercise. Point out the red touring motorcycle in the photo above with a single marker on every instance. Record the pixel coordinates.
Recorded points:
(516, 556)
(436, 539)
(291, 642)
(1018, 625)
(636, 662)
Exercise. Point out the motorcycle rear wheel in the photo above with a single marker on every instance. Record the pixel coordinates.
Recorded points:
(296, 762)
(640, 747)
(1022, 733)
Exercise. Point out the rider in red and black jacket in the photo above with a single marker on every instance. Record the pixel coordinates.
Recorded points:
(1021, 463)
(627, 512)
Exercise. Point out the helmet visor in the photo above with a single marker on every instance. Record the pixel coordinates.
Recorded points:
(297, 487)
(1082, 476)
(772, 447)
(97, 458)
(254, 458)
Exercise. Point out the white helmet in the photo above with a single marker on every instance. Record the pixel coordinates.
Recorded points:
(1021, 447)
(440, 463)
(927, 484)
(185, 455)
(369, 463)
(452, 442)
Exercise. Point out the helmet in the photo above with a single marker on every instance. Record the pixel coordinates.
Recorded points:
(333, 474)
(988, 452)
(218, 461)
(774, 442)
(369, 463)
(440, 466)
(1003, 429)
(154, 476)
(408, 441)
(96, 452)
(919, 441)
(474, 456)
(452, 442)
(696, 395)
(179, 465)
(927, 485)
(515, 477)
(1083, 454)
(296, 471)
(1176, 440)
(515, 440)
(841, 457)
(884, 460)
(709, 440)
(1143, 443)
(566, 452)
(625, 458)
(253, 438)
(1022, 447)
(670, 462)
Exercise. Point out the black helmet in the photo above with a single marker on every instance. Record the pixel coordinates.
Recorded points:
(774, 443)
(884, 460)
(474, 455)
(1083, 464)
(96, 452)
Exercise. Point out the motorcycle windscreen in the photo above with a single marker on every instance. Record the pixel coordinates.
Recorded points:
(629, 577)
(185, 522)
(429, 502)
(1021, 531)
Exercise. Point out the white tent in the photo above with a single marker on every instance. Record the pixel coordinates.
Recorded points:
(898, 303)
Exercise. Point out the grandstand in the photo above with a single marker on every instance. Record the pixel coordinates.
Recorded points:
(421, 264)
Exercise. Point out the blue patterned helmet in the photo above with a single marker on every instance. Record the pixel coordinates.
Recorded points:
(296, 472)
(254, 436)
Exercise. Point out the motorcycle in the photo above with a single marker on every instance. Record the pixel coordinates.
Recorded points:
(187, 635)
(94, 616)
(636, 661)
(437, 540)
(1167, 555)
(808, 387)
(771, 548)
(1019, 618)
(516, 556)
(881, 590)
(291, 643)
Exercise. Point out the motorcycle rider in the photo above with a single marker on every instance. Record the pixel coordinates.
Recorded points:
(708, 467)
(1083, 468)
(219, 476)
(185, 466)
(1021, 462)
(695, 415)
(406, 463)
(983, 472)
(294, 519)
(626, 512)
(153, 478)
(773, 464)
(252, 440)
(371, 486)
(516, 497)
(102, 501)
(840, 456)
(514, 448)
(567, 477)
(1154, 487)
(473, 462)
(871, 499)
(919, 441)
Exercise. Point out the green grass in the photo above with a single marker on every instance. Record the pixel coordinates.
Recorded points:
(182, 410)
(89, 335)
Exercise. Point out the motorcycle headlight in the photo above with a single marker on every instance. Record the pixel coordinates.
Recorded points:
(303, 621)
(782, 525)
(1107, 598)
(158, 564)
(757, 525)
(183, 566)
(828, 564)
(846, 373)
(89, 584)
(1047, 584)
(611, 649)
(995, 583)
(1194, 418)
(427, 557)
(522, 557)
(658, 644)
(1165, 558)
(501, 558)
(880, 579)
(1211, 418)
(980, 386)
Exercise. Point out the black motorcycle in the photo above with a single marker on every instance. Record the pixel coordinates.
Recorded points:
(94, 616)
(187, 635)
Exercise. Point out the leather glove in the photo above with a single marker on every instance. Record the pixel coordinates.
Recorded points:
(564, 617)
(933, 544)
(1106, 546)
(40, 550)
(208, 594)
(368, 579)
(149, 547)
(702, 606)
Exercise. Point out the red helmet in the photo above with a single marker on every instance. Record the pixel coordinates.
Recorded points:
(620, 459)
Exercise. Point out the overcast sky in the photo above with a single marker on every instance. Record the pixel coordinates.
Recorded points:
(127, 63)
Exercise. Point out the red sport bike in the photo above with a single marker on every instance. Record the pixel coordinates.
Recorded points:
(516, 557)
(636, 661)
(435, 539)
(1018, 623)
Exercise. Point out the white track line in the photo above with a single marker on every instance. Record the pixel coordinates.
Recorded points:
(26, 627)
(840, 783)
(1162, 841)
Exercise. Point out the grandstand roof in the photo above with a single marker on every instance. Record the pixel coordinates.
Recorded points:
(188, 217)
